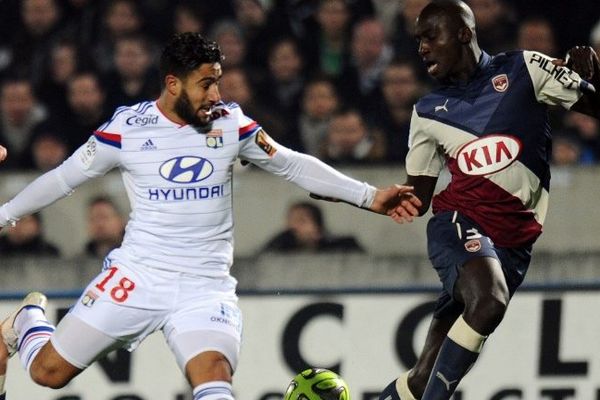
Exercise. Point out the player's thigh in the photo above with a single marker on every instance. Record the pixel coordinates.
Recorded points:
(452, 242)
(201, 327)
(122, 304)
(80, 344)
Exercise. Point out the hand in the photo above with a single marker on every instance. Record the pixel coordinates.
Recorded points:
(3, 153)
(581, 59)
(398, 202)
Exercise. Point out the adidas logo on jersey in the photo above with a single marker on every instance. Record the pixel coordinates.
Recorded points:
(148, 145)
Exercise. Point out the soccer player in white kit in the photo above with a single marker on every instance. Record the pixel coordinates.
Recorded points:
(171, 272)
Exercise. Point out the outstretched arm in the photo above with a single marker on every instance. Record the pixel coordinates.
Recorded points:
(90, 160)
(321, 180)
(397, 201)
(584, 61)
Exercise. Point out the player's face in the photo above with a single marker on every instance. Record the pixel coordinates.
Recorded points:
(439, 46)
(199, 93)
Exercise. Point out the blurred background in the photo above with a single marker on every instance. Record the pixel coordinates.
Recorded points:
(333, 78)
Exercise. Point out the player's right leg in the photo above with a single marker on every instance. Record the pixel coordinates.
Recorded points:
(411, 384)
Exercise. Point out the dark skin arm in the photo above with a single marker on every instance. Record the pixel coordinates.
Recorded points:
(584, 61)
(423, 188)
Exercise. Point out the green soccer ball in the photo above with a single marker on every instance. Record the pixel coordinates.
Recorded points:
(317, 384)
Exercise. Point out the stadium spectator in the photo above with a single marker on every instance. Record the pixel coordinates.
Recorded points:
(31, 44)
(537, 34)
(281, 88)
(134, 77)
(87, 108)
(306, 232)
(403, 38)
(229, 35)
(105, 227)
(391, 112)
(371, 52)
(595, 37)
(585, 132)
(3, 153)
(20, 114)
(484, 224)
(26, 240)
(180, 237)
(252, 17)
(327, 45)
(350, 141)
(48, 150)
(189, 16)
(566, 149)
(319, 101)
(236, 86)
(82, 19)
(496, 24)
(64, 61)
(119, 18)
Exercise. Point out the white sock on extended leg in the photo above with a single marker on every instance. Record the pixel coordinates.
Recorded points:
(402, 387)
(217, 390)
(34, 331)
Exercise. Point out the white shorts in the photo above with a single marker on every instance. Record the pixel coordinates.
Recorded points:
(123, 305)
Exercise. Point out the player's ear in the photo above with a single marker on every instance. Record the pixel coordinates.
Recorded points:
(173, 85)
(465, 34)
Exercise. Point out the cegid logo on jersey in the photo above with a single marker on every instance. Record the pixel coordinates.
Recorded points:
(142, 120)
(488, 154)
(186, 169)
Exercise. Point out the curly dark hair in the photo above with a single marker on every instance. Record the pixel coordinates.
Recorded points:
(185, 52)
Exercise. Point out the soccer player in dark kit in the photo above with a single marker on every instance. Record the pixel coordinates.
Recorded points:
(487, 122)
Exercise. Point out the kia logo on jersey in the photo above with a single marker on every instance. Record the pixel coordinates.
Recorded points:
(186, 169)
(488, 154)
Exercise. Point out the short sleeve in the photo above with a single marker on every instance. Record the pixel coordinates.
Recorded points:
(424, 157)
(553, 85)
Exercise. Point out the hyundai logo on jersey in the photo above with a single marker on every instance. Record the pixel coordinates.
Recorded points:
(488, 154)
(186, 169)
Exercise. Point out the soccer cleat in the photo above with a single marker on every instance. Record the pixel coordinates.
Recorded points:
(9, 335)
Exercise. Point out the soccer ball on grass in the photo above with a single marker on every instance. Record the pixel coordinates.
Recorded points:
(317, 384)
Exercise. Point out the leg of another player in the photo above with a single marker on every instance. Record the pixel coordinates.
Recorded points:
(209, 373)
(481, 286)
(411, 384)
(3, 368)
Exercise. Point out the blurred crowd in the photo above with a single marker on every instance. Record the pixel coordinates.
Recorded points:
(334, 78)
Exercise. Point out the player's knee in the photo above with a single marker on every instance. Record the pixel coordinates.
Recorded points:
(487, 311)
(48, 376)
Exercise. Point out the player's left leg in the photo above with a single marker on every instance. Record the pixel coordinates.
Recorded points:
(204, 334)
(482, 288)
(3, 368)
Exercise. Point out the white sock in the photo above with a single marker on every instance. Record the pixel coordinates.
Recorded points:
(216, 390)
(402, 387)
(34, 331)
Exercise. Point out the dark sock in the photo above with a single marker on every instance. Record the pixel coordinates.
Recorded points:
(456, 356)
(389, 393)
(453, 362)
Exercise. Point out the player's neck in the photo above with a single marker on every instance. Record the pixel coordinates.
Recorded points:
(167, 107)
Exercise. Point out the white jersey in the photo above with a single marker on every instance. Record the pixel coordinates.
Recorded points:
(179, 183)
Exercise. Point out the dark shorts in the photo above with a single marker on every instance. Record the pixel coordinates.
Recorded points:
(453, 240)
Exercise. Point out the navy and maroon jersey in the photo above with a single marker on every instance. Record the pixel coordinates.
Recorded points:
(493, 134)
